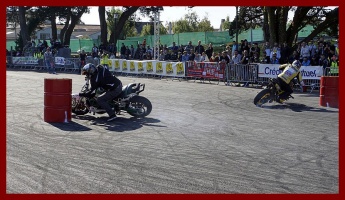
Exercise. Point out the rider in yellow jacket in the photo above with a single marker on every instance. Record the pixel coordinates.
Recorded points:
(290, 71)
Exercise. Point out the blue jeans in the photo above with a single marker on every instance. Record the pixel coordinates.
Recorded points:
(49, 66)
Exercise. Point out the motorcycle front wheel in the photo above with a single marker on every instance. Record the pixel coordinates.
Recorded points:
(262, 97)
(79, 108)
(139, 106)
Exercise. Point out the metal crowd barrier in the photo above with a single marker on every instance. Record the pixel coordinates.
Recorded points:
(240, 73)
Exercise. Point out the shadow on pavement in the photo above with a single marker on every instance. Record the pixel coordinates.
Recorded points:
(297, 107)
(120, 124)
(70, 126)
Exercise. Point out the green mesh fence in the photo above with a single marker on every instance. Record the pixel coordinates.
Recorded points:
(10, 44)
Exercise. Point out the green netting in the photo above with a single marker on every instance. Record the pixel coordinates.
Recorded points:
(217, 38)
(184, 38)
(128, 43)
(10, 44)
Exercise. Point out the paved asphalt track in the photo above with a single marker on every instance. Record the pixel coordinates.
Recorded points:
(199, 138)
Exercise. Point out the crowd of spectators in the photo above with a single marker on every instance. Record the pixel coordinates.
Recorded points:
(317, 52)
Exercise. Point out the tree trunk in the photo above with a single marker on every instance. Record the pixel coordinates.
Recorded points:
(53, 25)
(123, 18)
(103, 24)
(272, 24)
(265, 27)
(283, 17)
(74, 20)
(23, 27)
(64, 29)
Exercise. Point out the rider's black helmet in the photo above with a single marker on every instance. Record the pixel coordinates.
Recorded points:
(88, 69)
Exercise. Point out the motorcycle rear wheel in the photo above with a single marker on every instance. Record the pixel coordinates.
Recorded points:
(262, 97)
(139, 106)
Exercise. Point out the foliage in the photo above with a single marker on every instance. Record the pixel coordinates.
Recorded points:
(191, 23)
(277, 28)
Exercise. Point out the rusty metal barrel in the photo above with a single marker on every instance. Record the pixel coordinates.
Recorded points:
(329, 91)
(57, 100)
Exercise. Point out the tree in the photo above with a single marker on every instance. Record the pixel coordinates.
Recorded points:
(24, 35)
(226, 23)
(274, 21)
(205, 25)
(148, 30)
(103, 24)
(75, 14)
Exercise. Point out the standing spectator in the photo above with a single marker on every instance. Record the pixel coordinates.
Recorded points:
(94, 51)
(101, 48)
(191, 55)
(112, 56)
(48, 59)
(255, 58)
(285, 53)
(320, 49)
(305, 61)
(224, 57)
(276, 50)
(189, 47)
(173, 56)
(214, 57)
(82, 57)
(294, 56)
(128, 53)
(137, 53)
(197, 57)
(204, 57)
(236, 59)
(245, 59)
(167, 55)
(312, 48)
(132, 51)
(181, 49)
(174, 48)
(334, 69)
(314, 60)
(323, 61)
(179, 57)
(148, 56)
(149, 50)
(305, 52)
(105, 60)
(274, 59)
(209, 51)
(123, 51)
(199, 48)
(185, 57)
(267, 49)
(234, 47)
(327, 51)
(144, 42)
(245, 47)
(257, 49)
(266, 58)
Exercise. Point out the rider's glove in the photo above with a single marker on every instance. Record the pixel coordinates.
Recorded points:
(82, 94)
(85, 94)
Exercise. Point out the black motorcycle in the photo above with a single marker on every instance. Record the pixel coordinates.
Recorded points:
(129, 101)
(270, 93)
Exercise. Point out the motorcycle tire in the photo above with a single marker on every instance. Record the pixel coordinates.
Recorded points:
(262, 97)
(78, 111)
(139, 106)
